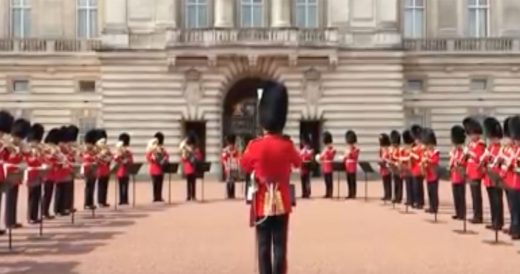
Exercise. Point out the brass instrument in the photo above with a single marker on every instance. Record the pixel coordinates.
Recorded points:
(103, 151)
(425, 161)
(122, 153)
(187, 151)
(6, 142)
(157, 151)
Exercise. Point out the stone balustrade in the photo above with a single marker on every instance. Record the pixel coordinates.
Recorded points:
(48, 45)
(463, 44)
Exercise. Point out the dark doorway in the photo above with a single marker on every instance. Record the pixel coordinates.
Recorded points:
(312, 128)
(199, 129)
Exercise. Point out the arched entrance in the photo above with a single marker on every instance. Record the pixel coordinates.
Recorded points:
(240, 110)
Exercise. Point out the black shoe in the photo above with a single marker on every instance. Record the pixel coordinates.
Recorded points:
(90, 207)
(48, 217)
(2, 232)
(429, 210)
(476, 221)
(34, 222)
(105, 205)
(15, 226)
(515, 236)
(507, 231)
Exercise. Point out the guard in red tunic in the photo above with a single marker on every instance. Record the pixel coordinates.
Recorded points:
(431, 165)
(191, 156)
(62, 174)
(384, 168)
(89, 167)
(405, 165)
(230, 159)
(71, 152)
(417, 168)
(271, 158)
(123, 157)
(513, 166)
(489, 162)
(474, 173)
(6, 123)
(13, 171)
(457, 167)
(157, 157)
(307, 157)
(104, 159)
(51, 160)
(350, 160)
(504, 161)
(326, 158)
(33, 179)
(395, 165)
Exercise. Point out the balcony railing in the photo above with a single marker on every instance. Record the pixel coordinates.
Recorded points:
(253, 36)
(463, 44)
(48, 45)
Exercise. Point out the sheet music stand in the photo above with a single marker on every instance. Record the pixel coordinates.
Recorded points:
(11, 180)
(202, 168)
(76, 173)
(339, 168)
(133, 170)
(366, 168)
(170, 168)
(41, 174)
(496, 179)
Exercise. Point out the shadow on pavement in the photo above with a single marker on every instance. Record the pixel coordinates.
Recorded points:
(30, 267)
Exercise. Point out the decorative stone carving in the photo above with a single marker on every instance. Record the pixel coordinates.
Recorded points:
(312, 90)
(253, 60)
(193, 91)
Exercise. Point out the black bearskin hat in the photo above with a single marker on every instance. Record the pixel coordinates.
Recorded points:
(72, 133)
(351, 137)
(273, 107)
(384, 140)
(407, 137)
(6, 121)
(327, 138)
(91, 137)
(493, 128)
(63, 136)
(36, 133)
(52, 136)
(507, 133)
(514, 127)
(231, 139)
(395, 137)
(458, 135)
(125, 138)
(21, 128)
(160, 137)
(416, 131)
(306, 139)
(428, 137)
(472, 126)
(102, 134)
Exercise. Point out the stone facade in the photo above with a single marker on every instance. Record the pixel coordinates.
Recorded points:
(354, 71)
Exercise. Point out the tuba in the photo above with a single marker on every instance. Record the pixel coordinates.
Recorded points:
(103, 152)
(156, 150)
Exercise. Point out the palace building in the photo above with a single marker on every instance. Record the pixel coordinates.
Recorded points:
(174, 66)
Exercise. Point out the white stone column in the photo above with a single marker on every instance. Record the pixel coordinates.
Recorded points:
(115, 32)
(166, 13)
(224, 13)
(280, 13)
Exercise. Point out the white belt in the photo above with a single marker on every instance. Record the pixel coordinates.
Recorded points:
(351, 161)
(26, 173)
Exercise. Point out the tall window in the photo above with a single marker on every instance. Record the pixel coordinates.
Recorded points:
(87, 18)
(20, 18)
(196, 13)
(414, 18)
(307, 13)
(252, 13)
(478, 15)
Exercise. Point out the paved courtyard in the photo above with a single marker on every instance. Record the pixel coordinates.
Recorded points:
(326, 236)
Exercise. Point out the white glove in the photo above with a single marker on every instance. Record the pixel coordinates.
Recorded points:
(317, 158)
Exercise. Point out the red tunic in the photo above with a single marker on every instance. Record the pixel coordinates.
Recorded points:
(88, 159)
(457, 162)
(384, 158)
(515, 177)
(3, 157)
(326, 159)
(155, 168)
(492, 153)
(416, 159)
(432, 165)
(405, 158)
(34, 163)
(306, 155)
(475, 149)
(123, 161)
(507, 171)
(351, 159)
(230, 159)
(271, 157)
(11, 164)
(187, 166)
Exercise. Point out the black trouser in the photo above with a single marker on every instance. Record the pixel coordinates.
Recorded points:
(433, 195)
(409, 189)
(398, 188)
(34, 202)
(459, 199)
(191, 189)
(496, 204)
(476, 198)
(157, 181)
(60, 198)
(306, 184)
(387, 187)
(123, 189)
(69, 195)
(90, 188)
(272, 242)
(328, 185)
(48, 191)
(230, 185)
(102, 191)
(352, 185)
(248, 181)
(514, 199)
(11, 205)
(418, 191)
